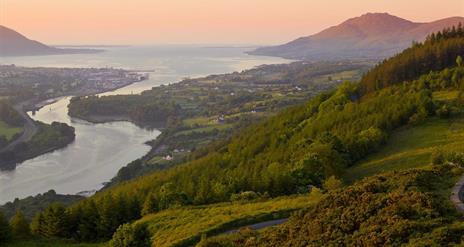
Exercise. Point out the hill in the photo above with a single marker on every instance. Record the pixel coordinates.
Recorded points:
(13, 43)
(373, 36)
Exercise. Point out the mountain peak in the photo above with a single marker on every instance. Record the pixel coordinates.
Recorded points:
(369, 24)
(371, 35)
(13, 43)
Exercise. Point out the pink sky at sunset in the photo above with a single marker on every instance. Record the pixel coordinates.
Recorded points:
(199, 21)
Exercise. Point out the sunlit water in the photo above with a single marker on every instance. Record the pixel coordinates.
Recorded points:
(100, 150)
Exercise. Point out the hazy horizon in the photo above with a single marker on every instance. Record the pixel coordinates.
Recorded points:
(144, 22)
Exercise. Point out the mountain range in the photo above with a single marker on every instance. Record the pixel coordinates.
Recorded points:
(13, 43)
(371, 36)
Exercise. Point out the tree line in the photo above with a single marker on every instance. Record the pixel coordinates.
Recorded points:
(437, 52)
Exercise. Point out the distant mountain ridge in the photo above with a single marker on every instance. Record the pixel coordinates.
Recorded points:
(371, 36)
(13, 43)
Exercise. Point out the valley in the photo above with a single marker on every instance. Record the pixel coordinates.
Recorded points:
(338, 152)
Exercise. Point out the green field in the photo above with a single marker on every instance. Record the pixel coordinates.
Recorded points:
(185, 226)
(7, 131)
(412, 146)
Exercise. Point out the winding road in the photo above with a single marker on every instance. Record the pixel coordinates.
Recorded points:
(29, 129)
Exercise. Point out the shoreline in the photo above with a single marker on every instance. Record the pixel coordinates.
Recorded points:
(12, 164)
(35, 105)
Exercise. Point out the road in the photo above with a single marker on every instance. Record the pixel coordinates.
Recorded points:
(455, 195)
(259, 226)
(29, 129)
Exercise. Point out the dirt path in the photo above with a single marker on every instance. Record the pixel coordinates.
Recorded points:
(30, 129)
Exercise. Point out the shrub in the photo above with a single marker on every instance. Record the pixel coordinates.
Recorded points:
(244, 196)
(128, 235)
(332, 183)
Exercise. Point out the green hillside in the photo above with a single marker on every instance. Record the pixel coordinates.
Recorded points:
(186, 226)
(412, 146)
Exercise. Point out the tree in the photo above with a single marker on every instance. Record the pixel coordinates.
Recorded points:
(459, 61)
(128, 235)
(150, 205)
(19, 225)
(52, 222)
(37, 225)
(5, 231)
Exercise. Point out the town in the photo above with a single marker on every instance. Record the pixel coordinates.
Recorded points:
(40, 83)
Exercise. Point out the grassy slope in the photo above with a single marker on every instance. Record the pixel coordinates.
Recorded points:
(7, 131)
(179, 227)
(412, 146)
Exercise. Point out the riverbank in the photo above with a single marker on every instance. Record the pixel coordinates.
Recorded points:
(47, 138)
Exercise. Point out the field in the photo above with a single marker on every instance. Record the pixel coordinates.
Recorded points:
(7, 131)
(186, 226)
(412, 146)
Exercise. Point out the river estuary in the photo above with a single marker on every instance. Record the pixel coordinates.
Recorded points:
(100, 150)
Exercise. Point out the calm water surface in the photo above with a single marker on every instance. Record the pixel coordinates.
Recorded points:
(100, 150)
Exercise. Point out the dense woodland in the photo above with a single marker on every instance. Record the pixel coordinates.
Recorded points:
(437, 52)
(303, 146)
(32, 205)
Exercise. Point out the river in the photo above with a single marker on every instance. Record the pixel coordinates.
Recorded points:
(100, 150)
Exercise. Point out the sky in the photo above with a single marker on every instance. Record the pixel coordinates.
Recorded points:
(146, 22)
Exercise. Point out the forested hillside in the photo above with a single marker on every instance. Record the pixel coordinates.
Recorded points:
(300, 148)
(437, 52)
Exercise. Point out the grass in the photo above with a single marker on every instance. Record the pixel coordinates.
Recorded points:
(9, 132)
(49, 243)
(185, 226)
(412, 147)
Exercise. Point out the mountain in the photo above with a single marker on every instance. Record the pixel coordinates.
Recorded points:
(13, 43)
(373, 35)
